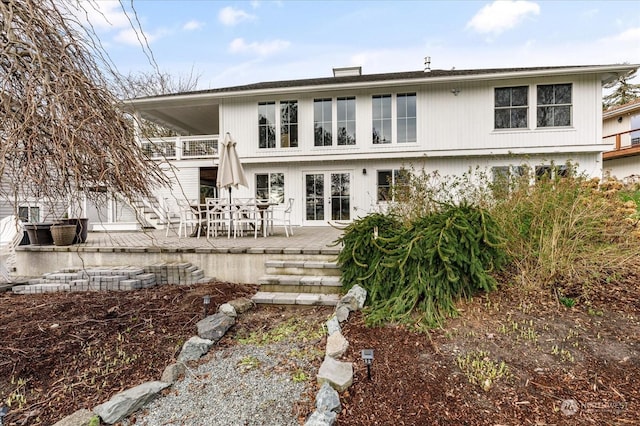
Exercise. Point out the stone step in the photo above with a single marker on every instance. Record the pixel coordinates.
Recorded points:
(302, 267)
(300, 284)
(287, 298)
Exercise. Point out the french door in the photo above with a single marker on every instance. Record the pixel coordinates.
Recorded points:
(327, 197)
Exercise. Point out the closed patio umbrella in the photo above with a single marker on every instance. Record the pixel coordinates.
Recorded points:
(230, 171)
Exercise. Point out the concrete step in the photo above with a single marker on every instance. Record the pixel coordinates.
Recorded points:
(302, 267)
(300, 284)
(282, 298)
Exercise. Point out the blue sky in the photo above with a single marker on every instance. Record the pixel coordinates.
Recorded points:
(241, 42)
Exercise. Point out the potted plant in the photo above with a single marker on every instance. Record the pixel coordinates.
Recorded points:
(39, 233)
(63, 234)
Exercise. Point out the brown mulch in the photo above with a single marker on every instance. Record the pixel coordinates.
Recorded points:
(72, 350)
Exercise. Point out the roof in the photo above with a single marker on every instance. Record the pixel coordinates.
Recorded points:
(617, 110)
(397, 76)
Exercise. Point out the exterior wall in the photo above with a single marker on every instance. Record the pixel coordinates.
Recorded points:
(622, 168)
(447, 124)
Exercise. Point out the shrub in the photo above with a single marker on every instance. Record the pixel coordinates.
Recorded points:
(421, 266)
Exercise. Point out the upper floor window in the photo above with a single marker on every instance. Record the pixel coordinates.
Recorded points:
(267, 125)
(554, 105)
(406, 104)
(381, 119)
(346, 112)
(322, 122)
(511, 107)
(288, 124)
(270, 186)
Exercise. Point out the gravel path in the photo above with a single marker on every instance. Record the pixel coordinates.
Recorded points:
(241, 385)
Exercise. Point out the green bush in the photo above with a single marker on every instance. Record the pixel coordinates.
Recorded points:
(415, 271)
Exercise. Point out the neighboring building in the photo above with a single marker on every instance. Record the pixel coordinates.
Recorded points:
(335, 144)
(621, 131)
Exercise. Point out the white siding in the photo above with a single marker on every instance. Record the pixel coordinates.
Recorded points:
(623, 167)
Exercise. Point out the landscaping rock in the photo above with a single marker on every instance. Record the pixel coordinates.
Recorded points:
(337, 345)
(242, 304)
(321, 418)
(337, 373)
(213, 327)
(360, 294)
(173, 372)
(328, 399)
(333, 325)
(128, 402)
(342, 313)
(81, 417)
(194, 348)
(228, 310)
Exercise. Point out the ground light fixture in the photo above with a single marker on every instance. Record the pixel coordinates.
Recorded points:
(367, 357)
(206, 301)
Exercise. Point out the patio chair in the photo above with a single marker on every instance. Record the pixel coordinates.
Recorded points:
(170, 217)
(218, 217)
(244, 218)
(190, 216)
(282, 216)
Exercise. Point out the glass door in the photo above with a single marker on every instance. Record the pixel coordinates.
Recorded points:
(327, 197)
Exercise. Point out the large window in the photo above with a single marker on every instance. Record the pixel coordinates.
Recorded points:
(267, 125)
(554, 105)
(322, 122)
(270, 186)
(288, 124)
(406, 104)
(511, 107)
(346, 111)
(381, 119)
(635, 126)
(388, 180)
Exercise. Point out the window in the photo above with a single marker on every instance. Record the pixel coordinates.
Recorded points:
(288, 124)
(553, 172)
(635, 126)
(505, 178)
(511, 107)
(406, 104)
(322, 122)
(270, 186)
(381, 119)
(388, 179)
(267, 125)
(29, 213)
(554, 105)
(346, 121)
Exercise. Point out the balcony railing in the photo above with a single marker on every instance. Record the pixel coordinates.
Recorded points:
(627, 143)
(181, 147)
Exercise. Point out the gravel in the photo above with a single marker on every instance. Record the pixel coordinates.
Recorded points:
(241, 385)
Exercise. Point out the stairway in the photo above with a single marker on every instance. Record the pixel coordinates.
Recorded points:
(299, 282)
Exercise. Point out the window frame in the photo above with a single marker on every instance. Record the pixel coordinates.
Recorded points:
(403, 116)
(553, 106)
(347, 122)
(288, 123)
(30, 208)
(379, 117)
(397, 175)
(267, 130)
(510, 107)
(271, 187)
(326, 135)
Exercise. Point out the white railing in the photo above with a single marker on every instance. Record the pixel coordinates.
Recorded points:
(181, 147)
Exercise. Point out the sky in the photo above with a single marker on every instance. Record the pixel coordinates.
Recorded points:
(229, 43)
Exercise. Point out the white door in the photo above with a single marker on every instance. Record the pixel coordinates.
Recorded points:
(327, 197)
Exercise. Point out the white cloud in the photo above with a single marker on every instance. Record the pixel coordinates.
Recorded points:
(104, 15)
(265, 48)
(193, 25)
(230, 16)
(630, 35)
(502, 15)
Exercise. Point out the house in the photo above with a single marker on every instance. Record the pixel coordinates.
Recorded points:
(335, 144)
(621, 131)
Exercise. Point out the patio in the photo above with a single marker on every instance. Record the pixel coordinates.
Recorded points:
(236, 260)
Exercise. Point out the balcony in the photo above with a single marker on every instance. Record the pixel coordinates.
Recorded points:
(181, 147)
(627, 144)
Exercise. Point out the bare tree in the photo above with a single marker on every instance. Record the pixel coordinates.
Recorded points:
(63, 133)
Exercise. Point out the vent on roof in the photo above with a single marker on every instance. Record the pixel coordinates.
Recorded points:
(427, 64)
(347, 71)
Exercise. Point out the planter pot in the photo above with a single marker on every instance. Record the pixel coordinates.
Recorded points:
(39, 233)
(63, 235)
(82, 226)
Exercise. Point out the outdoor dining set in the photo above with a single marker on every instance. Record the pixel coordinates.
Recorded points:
(237, 217)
